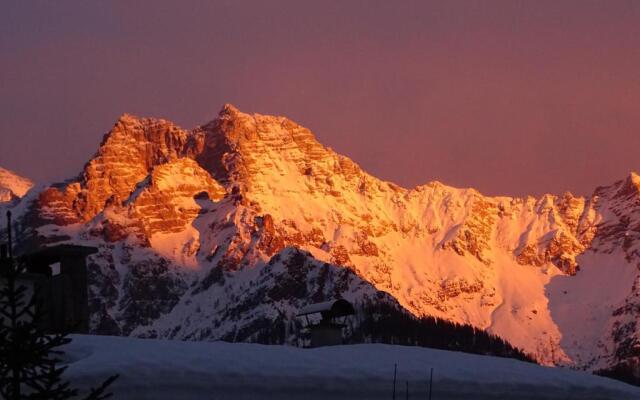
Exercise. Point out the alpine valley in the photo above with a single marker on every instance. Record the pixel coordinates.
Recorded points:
(222, 231)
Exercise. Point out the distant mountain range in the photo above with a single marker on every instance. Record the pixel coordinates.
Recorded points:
(219, 231)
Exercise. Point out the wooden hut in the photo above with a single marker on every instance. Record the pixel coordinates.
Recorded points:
(328, 331)
(57, 275)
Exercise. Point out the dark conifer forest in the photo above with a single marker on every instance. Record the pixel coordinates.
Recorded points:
(384, 323)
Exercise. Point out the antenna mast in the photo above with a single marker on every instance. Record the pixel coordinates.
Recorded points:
(10, 244)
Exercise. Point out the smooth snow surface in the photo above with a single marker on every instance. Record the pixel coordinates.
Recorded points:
(159, 369)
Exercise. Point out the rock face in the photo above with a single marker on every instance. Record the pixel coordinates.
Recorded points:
(12, 186)
(226, 229)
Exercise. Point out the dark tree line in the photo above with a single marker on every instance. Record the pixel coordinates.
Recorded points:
(382, 322)
(622, 372)
(386, 323)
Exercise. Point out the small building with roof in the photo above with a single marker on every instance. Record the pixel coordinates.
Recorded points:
(57, 275)
(328, 331)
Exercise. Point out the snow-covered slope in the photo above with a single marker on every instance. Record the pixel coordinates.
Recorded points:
(193, 224)
(158, 369)
(12, 186)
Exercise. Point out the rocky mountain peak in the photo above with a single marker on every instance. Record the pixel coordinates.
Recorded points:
(12, 186)
(243, 128)
(630, 186)
(228, 110)
(126, 118)
(184, 219)
(257, 152)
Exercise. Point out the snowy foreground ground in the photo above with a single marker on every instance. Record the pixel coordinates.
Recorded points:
(158, 369)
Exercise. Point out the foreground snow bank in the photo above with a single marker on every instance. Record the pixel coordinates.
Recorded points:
(160, 369)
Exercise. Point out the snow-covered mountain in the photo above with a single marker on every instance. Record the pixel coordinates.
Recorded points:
(224, 229)
(12, 186)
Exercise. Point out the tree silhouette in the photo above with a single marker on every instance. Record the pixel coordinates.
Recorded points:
(29, 357)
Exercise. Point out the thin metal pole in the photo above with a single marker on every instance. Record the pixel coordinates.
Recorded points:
(395, 372)
(430, 382)
(9, 234)
(16, 375)
(407, 391)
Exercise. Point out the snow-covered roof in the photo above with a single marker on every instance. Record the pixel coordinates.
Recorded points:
(335, 308)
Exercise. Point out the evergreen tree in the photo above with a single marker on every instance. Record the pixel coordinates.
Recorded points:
(29, 357)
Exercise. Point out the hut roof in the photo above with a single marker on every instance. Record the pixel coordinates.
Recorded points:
(53, 254)
(334, 308)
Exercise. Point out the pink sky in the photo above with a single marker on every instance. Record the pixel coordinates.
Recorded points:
(508, 97)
